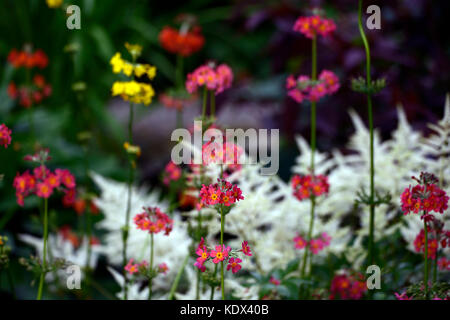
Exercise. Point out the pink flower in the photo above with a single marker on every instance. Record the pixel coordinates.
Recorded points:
(5, 135)
(200, 266)
(316, 245)
(308, 185)
(303, 88)
(402, 296)
(220, 254)
(274, 281)
(325, 239)
(234, 264)
(246, 249)
(43, 190)
(346, 286)
(444, 264)
(132, 268)
(222, 192)
(163, 268)
(66, 178)
(153, 220)
(203, 255)
(299, 242)
(172, 172)
(314, 25)
(214, 78)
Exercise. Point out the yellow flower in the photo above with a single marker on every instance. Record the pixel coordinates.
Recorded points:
(132, 149)
(151, 72)
(131, 88)
(54, 3)
(117, 63)
(117, 88)
(127, 69)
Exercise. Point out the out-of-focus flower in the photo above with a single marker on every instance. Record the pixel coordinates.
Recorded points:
(246, 249)
(163, 268)
(444, 264)
(274, 281)
(402, 296)
(28, 59)
(54, 3)
(344, 286)
(131, 267)
(306, 186)
(153, 220)
(314, 25)
(214, 78)
(419, 244)
(5, 135)
(234, 264)
(172, 172)
(133, 91)
(184, 42)
(303, 88)
(27, 95)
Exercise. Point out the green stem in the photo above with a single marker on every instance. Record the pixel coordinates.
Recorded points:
(205, 96)
(177, 278)
(179, 72)
(197, 290)
(426, 258)
(44, 261)
(213, 104)
(151, 268)
(127, 216)
(222, 229)
(370, 111)
(213, 287)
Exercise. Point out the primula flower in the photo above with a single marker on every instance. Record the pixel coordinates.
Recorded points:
(5, 135)
(345, 286)
(246, 249)
(427, 198)
(214, 78)
(316, 245)
(131, 267)
(172, 172)
(274, 281)
(299, 242)
(314, 25)
(402, 296)
(444, 264)
(28, 59)
(27, 95)
(303, 88)
(43, 182)
(184, 42)
(308, 185)
(163, 268)
(68, 235)
(220, 193)
(234, 264)
(153, 220)
(220, 254)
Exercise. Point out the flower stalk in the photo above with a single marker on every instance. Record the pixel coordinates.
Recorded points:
(44, 261)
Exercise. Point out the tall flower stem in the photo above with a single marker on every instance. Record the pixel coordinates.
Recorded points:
(205, 97)
(426, 258)
(213, 104)
(178, 277)
(44, 261)
(371, 258)
(197, 289)
(313, 151)
(151, 268)
(126, 227)
(222, 228)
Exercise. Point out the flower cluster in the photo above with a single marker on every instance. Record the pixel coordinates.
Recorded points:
(220, 253)
(437, 238)
(176, 101)
(132, 90)
(5, 135)
(223, 193)
(30, 94)
(129, 69)
(172, 172)
(303, 88)
(183, 42)
(28, 59)
(314, 245)
(153, 220)
(306, 186)
(344, 286)
(419, 244)
(42, 182)
(227, 153)
(444, 264)
(424, 198)
(214, 78)
(133, 268)
(314, 25)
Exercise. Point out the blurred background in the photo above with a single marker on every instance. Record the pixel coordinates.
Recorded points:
(254, 37)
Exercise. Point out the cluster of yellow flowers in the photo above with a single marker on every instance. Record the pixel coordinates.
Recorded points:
(120, 65)
(54, 3)
(133, 91)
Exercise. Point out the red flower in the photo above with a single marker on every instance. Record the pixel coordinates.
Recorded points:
(220, 193)
(314, 25)
(214, 78)
(346, 286)
(184, 43)
(5, 135)
(308, 185)
(153, 220)
(234, 264)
